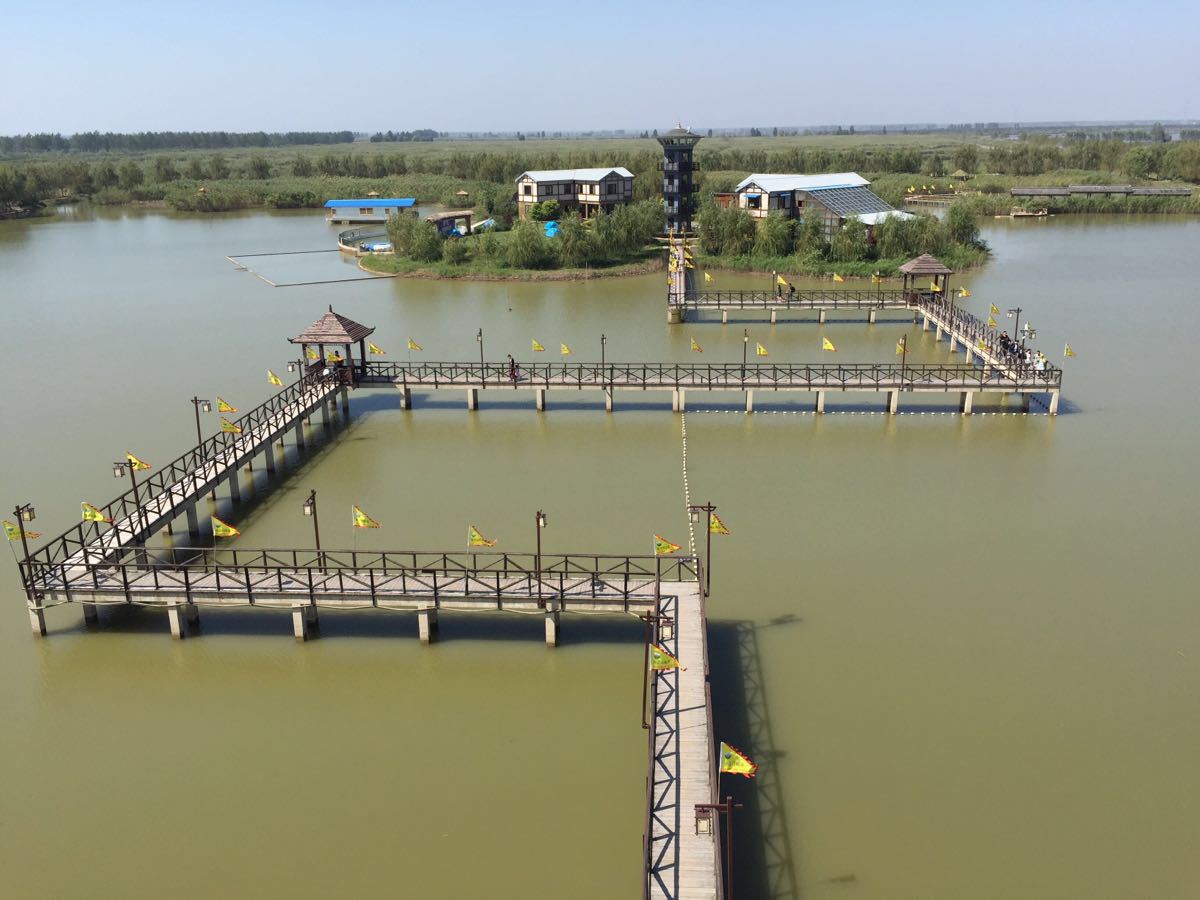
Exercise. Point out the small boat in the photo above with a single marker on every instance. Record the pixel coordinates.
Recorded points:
(1019, 213)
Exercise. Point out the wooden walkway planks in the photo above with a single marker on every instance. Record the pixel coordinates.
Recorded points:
(683, 864)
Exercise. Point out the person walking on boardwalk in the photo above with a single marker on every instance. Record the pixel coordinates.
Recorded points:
(513, 374)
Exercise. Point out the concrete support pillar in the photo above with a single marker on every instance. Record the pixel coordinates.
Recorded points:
(893, 401)
(327, 413)
(300, 623)
(405, 398)
(964, 404)
(472, 398)
(193, 522)
(552, 628)
(37, 619)
(674, 314)
(821, 317)
(300, 434)
(176, 621)
(924, 323)
(310, 613)
(724, 317)
(345, 397)
(820, 405)
(1025, 402)
(539, 399)
(235, 489)
(608, 399)
(749, 401)
(938, 337)
(1054, 395)
(674, 400)
(871, 316)
(192, 614)
(678, 400)
(269, 453)
(91, 614)
(773, 312)
(427, 624)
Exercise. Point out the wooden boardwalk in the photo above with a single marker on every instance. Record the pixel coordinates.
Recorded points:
(681, 864)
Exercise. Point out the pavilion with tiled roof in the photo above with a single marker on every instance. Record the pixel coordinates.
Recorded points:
(333, 330)
(924, 267)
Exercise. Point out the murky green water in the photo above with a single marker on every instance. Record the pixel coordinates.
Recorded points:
(965, 651)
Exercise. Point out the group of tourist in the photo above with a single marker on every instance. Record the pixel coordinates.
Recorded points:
(1019, 357)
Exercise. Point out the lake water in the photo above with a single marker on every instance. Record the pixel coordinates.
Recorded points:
(966, 651)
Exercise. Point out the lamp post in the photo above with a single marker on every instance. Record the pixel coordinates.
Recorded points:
(200, 406)
(704, 825)
(119, 469)
(694, 511)
(1017, 324)
(296, 365)
(903, 357)
(25, 513)
(539, 522)
(479, 339)
(310, 509)
(745, 346)
(603, 341)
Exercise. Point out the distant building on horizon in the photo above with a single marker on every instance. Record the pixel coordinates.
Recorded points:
(836, 197)
(586, 190)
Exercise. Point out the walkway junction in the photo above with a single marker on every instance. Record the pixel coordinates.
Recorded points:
(112, 563)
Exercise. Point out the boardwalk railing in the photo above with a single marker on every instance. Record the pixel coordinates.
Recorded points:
(712, 376)
(814, 299)
(305, 576)
(163, 480)
(982, 337)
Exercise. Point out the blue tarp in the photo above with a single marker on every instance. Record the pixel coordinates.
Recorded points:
(402, 202)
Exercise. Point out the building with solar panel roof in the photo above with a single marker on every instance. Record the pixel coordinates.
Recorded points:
(835, 197)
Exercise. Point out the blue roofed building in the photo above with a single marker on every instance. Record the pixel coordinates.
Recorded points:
(369, 209)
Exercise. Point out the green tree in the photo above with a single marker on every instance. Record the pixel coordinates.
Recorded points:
(966, 157)
(130, 175)
(776, 235)
(546, 211)
(400, 228)
(1183, 161)
(195, 169)
(426, 243)
(302, 167)
(528, 247)
(849, 242)
(218, 168)
(258, 167)
(960, 222)
(810, 237)
(105, 175)
(454, 251)
(1138, 162)
(164, 169)
(574, 241)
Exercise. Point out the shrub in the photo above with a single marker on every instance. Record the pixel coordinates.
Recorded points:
(454, 251)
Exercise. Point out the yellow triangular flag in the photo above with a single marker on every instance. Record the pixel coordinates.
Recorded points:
(564, 349)
(673, 265)
(229, 427)
(876, 278)
(901, 346)
(995, 311)
(759, 349)
(375, 351)
(1067, 351)
(475, 539)
(934, 286)
(669, 280)
(780, 280)
(991, 322)
(224, 407)
(736, 762)
(135, 462)
(827, 344)
(413, 345)
(91, 514)
(982, 345)
(715, 525)
(14, 532)
(311, 353)
(838, 278)
(707, 278)
(661, 660)
(663, 547)
(696, 348)
(912, 188)
(223, 529)
(538, 348)
(963, 292)
(362, 520)
(274, 379)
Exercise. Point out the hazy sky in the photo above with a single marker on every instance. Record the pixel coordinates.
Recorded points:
(366, 66)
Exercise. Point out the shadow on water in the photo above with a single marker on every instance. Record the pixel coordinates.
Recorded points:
(762, 862)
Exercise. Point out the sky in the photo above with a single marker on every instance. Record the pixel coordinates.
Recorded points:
(477, 66)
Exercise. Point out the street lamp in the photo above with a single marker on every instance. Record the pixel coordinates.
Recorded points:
(310, 509)
(603, 341)
(25, 513)
(903, 357)
(119, 469)
(200, 406)
(694, 510)
(745, 347)
(1017, 324)
(539, 520)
